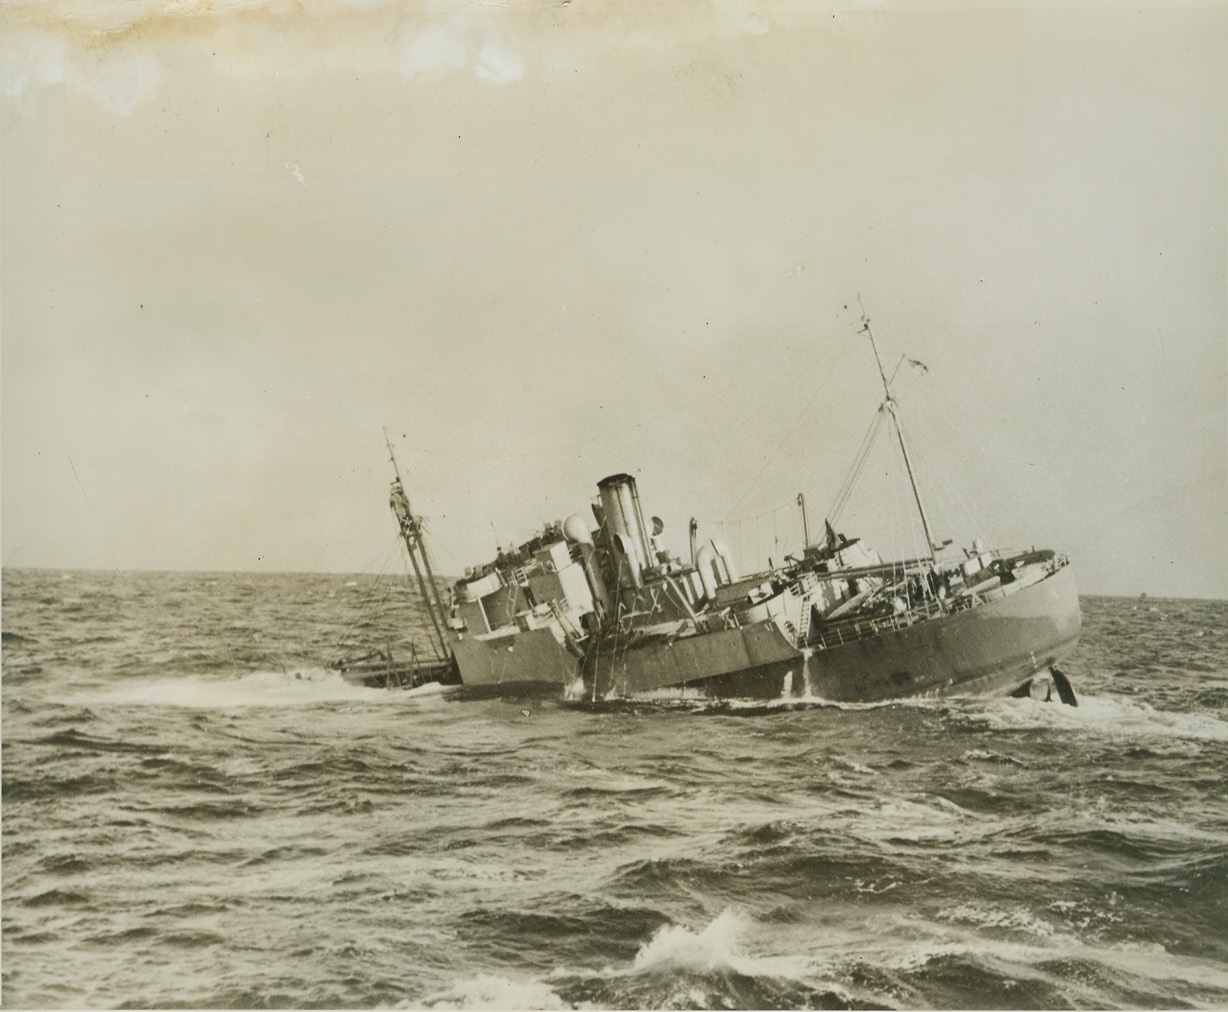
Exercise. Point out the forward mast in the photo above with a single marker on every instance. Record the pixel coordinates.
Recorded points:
(891, 406)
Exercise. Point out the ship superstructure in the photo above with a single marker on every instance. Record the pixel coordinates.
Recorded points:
(838, 623)
(611, 608)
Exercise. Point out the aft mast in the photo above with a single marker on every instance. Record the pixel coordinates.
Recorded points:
(411, 534)
(893, 409)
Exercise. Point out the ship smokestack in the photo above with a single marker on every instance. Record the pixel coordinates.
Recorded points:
(624, 520)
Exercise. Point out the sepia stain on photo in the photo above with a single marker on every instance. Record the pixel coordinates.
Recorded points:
(592, 505)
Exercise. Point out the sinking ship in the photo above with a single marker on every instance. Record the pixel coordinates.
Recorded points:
(523, 619)
(604, 611)
(839, 623)
(516, 622)
(836, 624)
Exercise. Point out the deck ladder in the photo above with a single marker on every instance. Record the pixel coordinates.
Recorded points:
(804, 624)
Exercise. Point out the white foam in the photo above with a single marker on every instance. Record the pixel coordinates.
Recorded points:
(1018, 939)
(719, 946)
(675, 951)
(856, 767)
(669, 694)
(1108, 715)
(1014, 919)
(674, 947)
(489, 991)
(259, 688)
(988, 756)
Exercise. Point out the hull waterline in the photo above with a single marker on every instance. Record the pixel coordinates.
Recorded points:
(995, 648)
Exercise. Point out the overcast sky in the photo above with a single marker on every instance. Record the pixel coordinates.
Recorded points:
(544, 242)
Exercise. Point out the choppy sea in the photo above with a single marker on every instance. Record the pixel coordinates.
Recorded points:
(197, 813)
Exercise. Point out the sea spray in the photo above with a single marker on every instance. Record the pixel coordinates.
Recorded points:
(491, 991)
(676, 947)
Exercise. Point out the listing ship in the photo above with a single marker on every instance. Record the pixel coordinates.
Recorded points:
(523, 618)
(609, 613)
(838, 624)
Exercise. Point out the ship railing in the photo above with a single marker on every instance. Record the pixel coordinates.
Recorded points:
(520, 575)
(853, 629)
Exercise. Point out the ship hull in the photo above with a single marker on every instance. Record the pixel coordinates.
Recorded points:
(995, 648)
(528, 657)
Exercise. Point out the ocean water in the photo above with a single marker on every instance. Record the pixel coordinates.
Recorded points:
(196, 813)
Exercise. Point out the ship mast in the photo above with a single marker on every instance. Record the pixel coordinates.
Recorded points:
(411, 534)
(893, 409)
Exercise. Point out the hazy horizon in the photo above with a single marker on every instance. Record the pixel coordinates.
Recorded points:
(543, 243)
(445, 577)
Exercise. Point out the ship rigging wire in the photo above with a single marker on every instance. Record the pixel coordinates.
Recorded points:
(97, 523)
(952, 500)
(683, 407)
(839, 504)
(378, 593)
(855, 469)
(788, 436)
